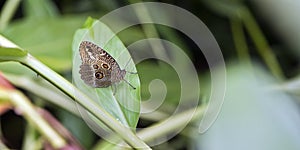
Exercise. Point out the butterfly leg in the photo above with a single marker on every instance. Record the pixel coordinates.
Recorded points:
(114, 89)
(129, 84)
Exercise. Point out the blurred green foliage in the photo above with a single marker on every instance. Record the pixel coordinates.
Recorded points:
(45, 29)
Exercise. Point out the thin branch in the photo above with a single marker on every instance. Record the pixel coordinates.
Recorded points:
(84, 101)
(7, 12)
(27, 110)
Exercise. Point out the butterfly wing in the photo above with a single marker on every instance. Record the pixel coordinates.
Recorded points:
(98, 68)
(89, 76)
(91, 56)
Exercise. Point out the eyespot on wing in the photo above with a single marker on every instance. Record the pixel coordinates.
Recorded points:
(87, 74)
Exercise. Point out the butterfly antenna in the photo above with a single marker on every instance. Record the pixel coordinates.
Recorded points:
(126, 66)
(127, 63)
(129, 84)
(131, 72)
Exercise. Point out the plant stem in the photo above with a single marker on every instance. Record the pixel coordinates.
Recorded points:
(27, 110)
(240, 41)
(171, 124)
(7, 12)
(149, 29)
(53, 94)
(84, 101)
(162, 128)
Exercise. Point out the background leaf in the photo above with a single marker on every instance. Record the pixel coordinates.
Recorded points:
(40, 8)
(253, 116)
(47, 39)
(125, 104)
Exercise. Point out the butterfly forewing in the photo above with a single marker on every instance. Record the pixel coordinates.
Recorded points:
(98, 68)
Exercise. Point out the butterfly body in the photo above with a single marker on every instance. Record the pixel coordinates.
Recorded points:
(98, 69)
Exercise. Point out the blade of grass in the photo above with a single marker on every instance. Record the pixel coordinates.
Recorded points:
(40, 8)
(7, 12)
(261, 44)
(240, 41)
(24, 105)
(150, 30)
(53, 95)
(237, 9)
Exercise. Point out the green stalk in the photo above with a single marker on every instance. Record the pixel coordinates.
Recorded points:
(162, 128)
(171, 124)
(149, 29)
(84, 101)
(22, 104)
(53, 94)
(7, 12)
(261, 43)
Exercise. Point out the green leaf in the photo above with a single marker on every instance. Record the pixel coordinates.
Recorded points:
(49, 40)
(40, 8)
(88, 23)
(125, 104)
(167, 75)
(254, 115)
(9, 50)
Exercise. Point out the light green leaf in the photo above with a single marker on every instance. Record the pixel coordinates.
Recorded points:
(9, 50)
(254, 115)
(40, 8)
(125, 104)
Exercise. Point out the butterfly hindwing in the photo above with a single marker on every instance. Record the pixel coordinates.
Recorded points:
(98, 68)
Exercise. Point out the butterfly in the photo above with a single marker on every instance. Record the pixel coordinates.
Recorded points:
(99, 69)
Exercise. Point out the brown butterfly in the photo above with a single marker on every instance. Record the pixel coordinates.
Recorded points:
(98, 68)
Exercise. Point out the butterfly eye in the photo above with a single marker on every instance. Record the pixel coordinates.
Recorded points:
(105, 66)
(95, 66)
(99, 75)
